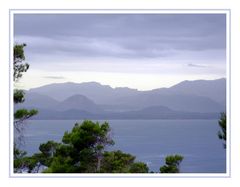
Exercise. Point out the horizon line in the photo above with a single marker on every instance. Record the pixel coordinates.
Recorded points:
(118, 87)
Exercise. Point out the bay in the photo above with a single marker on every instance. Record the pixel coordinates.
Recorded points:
(149, 140)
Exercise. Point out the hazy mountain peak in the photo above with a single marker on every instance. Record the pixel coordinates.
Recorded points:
(93, 83)
(200, 81)
(79, 102)
(76, 98)
(213, 89)
(124, 89)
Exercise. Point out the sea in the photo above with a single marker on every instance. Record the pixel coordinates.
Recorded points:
(149, 140)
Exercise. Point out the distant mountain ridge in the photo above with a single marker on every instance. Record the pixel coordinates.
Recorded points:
(153, 112)
(213, 89)
(194, 98)
(78, 102)
(97, 92)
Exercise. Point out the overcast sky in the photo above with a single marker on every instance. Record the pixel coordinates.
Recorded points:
(142, 51)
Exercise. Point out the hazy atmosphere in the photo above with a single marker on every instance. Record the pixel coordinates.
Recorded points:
(120, 93)
(142, 51)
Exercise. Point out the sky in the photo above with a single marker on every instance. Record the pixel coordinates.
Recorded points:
(142, 51)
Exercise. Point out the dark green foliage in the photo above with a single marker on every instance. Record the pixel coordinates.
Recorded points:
(116, 162)
(18, 158)
(47, 152)
(18, 96)
(21, 115)
(173, 160)
(19, 52)
(119, 162)
(82, 151)
(48, 149)
(45, 157)
(223, 133)
(172, 164)
(82, 148)
(21, 161)
(18, 153)
(139, 167)
(169, 169)
(62, 165)
(18, 58)
(91, 138)
(88, 134)
(29, 163)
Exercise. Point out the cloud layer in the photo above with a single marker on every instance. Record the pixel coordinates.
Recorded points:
(133, 43)
(122, 35)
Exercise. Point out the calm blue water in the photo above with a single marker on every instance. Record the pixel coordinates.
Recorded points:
(149, 140)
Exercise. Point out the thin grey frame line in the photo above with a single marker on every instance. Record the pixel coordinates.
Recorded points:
(10, 97)
(111, 176)
(121, 10)
(229, 92)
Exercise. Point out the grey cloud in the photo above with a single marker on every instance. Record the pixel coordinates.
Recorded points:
(54, 77)
(196, 65)
(113, 25)
(120, 35)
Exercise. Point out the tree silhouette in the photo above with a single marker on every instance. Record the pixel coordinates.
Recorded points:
(223, 132)
(172, 164)
(20, 115)
(19, 68)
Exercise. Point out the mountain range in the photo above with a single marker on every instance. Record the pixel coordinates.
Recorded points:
(198, 99)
